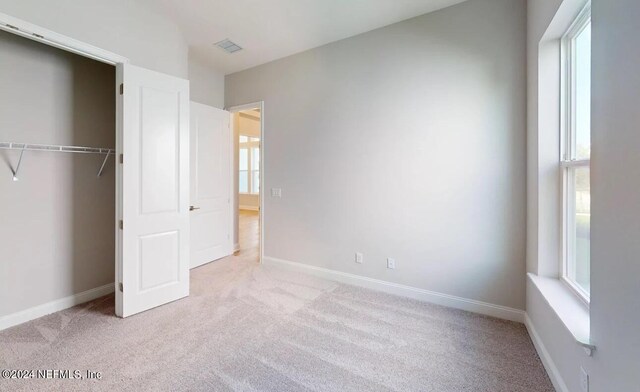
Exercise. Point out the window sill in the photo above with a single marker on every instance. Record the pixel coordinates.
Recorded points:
(573, 313)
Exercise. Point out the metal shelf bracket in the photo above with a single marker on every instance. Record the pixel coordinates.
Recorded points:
(55, 148)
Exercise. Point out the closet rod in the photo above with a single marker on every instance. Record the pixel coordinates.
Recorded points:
(55, 148)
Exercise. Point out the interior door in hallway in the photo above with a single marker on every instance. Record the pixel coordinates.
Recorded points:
(211, 213)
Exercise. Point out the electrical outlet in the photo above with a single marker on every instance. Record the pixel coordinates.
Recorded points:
(584, 380)
(359, 258)
(276, 192)
(391, 263)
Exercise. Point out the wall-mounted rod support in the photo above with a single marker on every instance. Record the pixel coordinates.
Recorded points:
(103, 163)
(53, 148)
(15, 172)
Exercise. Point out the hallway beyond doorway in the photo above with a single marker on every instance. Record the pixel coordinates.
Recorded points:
(249, 234)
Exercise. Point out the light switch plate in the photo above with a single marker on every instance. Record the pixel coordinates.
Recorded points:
(391, 263)
(276, 192)
(359, 258)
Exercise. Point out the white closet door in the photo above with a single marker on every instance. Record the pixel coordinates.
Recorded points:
(154, 175)
(210, 184)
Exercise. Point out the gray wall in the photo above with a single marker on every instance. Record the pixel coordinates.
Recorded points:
(57, 221)
(615, 178)
(207, 84)
(128, 28)
(407, 141)
(133, 29)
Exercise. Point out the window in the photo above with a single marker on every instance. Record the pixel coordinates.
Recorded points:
(576, 154)
(249, 165)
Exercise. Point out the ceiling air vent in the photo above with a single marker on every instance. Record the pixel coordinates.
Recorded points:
(228, 46)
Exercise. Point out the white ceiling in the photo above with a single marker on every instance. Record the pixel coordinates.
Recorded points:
(271, 29)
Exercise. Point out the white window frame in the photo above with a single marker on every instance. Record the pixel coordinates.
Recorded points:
(249, 145)
(568, 161)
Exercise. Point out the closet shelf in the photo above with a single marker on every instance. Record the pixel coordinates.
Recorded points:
(55, 148)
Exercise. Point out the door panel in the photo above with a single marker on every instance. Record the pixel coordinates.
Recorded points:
(154, 239)
(210, 184)
(159, 256)
(159, 142)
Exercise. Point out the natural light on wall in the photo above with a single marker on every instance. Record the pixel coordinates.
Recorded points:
(576, 154)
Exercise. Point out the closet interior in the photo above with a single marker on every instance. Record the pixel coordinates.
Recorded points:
(57, 174)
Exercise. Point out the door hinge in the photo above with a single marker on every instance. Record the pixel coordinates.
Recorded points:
(121, 224)
(121, 88)
(121, 158)
(121, 287)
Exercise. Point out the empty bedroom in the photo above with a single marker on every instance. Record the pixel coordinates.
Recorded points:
(320, 195)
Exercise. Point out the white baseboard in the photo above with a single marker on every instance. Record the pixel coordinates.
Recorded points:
(547, 362)
(54, 306)
(451, 301)
(249, 208)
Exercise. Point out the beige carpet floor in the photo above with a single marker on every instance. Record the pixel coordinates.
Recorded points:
(247, 327)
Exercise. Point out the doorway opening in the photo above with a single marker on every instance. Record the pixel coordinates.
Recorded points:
(247, 131)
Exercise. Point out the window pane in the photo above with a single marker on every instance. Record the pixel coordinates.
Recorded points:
(583, 93)
(255, 159)
(255, 181)
(243, 181)
(244, 159)
(243, 139)
(580, 261)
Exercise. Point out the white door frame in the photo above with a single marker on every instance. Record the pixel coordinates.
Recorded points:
(239, 108)
(34, 32)
(51, 38)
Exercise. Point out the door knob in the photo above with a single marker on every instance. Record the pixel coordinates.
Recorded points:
(191, 208)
